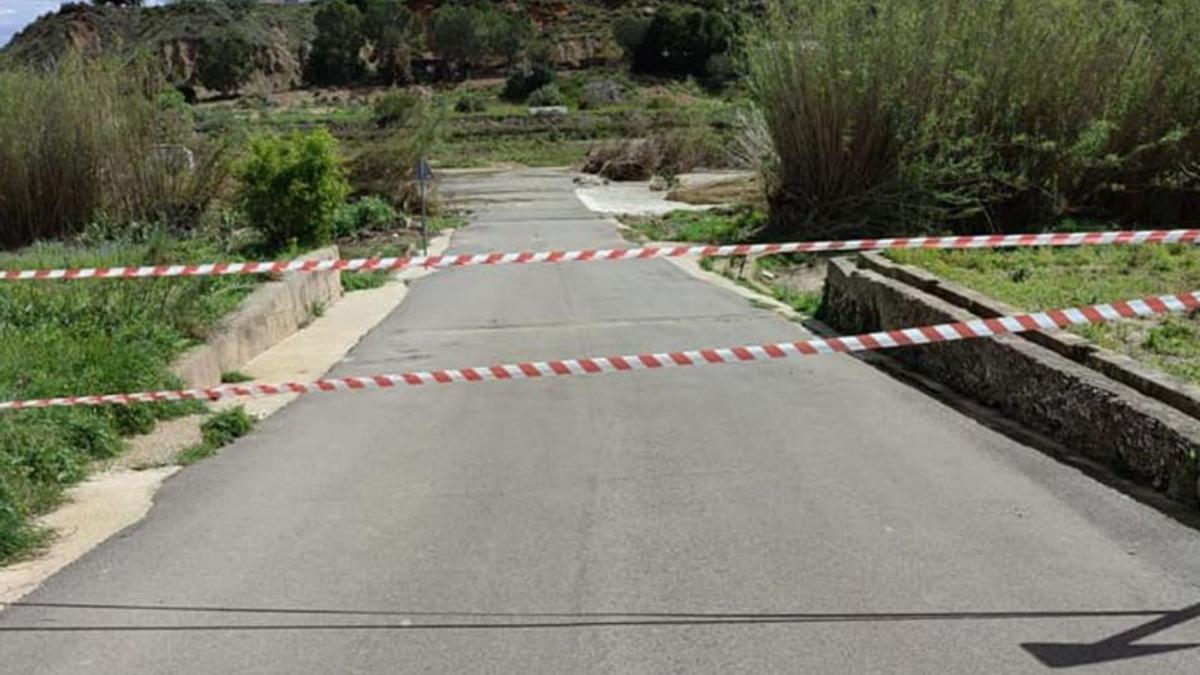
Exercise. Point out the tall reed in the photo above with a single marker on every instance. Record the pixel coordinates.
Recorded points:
(92, 138)
(902, 115)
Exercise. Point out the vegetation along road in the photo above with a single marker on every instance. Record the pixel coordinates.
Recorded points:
(987, 506)
(738, 518)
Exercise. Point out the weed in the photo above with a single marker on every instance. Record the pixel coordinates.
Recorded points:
(710, 227)
(365, 215)
(217, 431)
(64, 338)
(1037, 279)
(195, 453)
(361, 281)
(234, 377)
(805, 302)
(226, 426)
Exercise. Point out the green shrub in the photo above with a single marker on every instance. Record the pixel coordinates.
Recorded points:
(101, 336)
(384, 166)
(365, 215)
(226, 426)
(526, 79)
(291, 187)
(599, 93)
(234, 377)
(937, 114)
(548, 95)
(218, 431)
(398, 107)
(470, 104)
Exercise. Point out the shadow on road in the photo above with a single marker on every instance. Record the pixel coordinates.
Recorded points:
(1054, 655)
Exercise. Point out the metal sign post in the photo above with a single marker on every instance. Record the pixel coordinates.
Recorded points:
(423, 174)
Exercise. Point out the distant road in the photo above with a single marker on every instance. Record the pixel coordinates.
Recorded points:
(812, 516)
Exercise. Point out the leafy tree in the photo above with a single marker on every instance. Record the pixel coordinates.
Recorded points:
(629, 32)
(290, 188)
(118, 3)
(391, 28)
(457, 38)
(526, 79)
(224, 63)
(334, 58)
(675, 41)
(503, 35)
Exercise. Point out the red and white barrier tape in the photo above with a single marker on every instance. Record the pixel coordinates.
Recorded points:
(948, 332)
(439, 261)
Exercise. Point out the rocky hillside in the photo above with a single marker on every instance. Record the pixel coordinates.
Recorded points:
(279, 34)
(580, 31)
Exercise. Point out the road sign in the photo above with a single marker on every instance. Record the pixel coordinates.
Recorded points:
(423, 174)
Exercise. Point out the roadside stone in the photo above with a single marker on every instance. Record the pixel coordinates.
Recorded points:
(1097, 417)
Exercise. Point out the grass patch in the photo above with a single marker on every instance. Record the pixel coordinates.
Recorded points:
(705, 227)
(218, 431)
(804, 302)
(439, 224)
(234, 377)
(484, 152)
(1037, 279)
(362, 281)
(99, 336)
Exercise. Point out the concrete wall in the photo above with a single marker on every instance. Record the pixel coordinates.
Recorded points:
(1107, 421)
(270, 314)
(1155, 384)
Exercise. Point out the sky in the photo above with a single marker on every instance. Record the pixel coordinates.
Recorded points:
(16, 14)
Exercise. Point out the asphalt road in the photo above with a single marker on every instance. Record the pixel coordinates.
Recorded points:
(804, 516)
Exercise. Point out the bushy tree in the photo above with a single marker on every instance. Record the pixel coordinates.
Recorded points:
(629, 32)
(525, 79)
(391, 29)
(675, 41)
(457, 38)
(335, 56)
(118, 3)
(290, 188)
(504, 35)
(224, 63)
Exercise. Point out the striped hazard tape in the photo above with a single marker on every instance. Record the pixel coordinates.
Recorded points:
(948, 332)
(647, 252)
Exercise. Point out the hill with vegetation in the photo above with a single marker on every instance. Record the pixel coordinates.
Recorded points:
(278, 38)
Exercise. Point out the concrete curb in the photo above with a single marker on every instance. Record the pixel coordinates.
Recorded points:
(269, 315)
(115, 498)
(1179, 395)
(1086, 411)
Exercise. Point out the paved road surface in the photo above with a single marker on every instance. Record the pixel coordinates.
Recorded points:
(809, 516)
